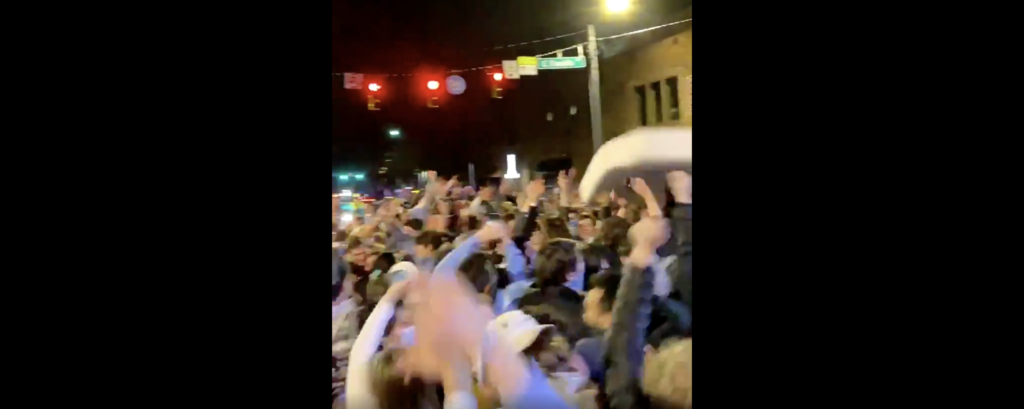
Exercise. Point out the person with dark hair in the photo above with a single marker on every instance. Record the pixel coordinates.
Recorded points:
(481, 273)
(597, 314)
(425, 248)
(586, 228)
(555, 263)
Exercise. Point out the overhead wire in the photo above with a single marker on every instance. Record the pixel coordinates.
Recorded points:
(543, 54)
(644, 30)
(535, 41)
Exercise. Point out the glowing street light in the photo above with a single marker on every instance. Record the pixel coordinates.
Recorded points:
(616, 6)
(374, 87)
(498, 76)
(511, 163)
(433, 84)
(393, 132)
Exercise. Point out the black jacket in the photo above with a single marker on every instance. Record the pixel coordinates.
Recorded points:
(681, 246)
(524, 227)
(624, 360)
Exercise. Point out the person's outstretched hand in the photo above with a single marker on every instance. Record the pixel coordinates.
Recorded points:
(450, 325)
(646, 236)
(563, 181)
(493, 231)
(534, 191)
(680, 184)
(641, 188)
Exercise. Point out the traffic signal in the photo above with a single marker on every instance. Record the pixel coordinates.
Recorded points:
(432, 85)
(371, 98)
(496, 89)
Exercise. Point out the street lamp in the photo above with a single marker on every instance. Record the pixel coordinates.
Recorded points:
(616, 6)
(394, 132)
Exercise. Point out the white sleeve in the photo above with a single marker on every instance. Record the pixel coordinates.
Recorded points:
(460, 400)
(358, 389)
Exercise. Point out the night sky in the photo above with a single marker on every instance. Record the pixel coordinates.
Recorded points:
(426, 38)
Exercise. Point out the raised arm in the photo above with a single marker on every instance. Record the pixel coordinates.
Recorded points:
(631, 315)
(358, 387)
(451, 262)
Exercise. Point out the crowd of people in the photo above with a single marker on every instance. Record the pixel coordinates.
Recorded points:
(515, 297)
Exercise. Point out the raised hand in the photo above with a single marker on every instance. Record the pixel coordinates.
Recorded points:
(535, 190)
(641, 188)
(563, 181)
(649, 233)
(493, 231)
(680, 184)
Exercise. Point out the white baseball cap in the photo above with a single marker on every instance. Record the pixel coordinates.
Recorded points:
(517, 328)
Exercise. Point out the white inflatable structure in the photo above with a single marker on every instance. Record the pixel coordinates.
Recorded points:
(647, 153)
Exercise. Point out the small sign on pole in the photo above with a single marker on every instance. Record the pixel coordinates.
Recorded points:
(527, 65)
(562, 63)
(353, 80)
(511, 69)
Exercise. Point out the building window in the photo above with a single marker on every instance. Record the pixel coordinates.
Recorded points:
(641, 99)
(656, 88)
(673, 98)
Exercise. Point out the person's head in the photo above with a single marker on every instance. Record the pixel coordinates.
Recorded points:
(510, 219)
(556, 228)
(481, 274)
(541, 342)
(615, 235)
(586, 226)
(356, 253)
(383, 262)
(597, 306)
(427, 243)
(392, 390)
(538, 240)
(555, 262)
(416, 225)
(668, 375)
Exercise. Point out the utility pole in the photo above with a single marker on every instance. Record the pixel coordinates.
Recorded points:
(595, 89)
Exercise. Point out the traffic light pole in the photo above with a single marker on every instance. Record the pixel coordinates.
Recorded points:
(595, 89)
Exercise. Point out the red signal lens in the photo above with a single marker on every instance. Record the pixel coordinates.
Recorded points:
(374, 87)
(433, 85)
(498, 76)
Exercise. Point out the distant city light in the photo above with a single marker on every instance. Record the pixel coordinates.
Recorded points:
(433, 84)
(511, 173)
(616, 6)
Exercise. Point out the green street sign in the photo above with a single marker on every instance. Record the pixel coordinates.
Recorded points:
(561, 63)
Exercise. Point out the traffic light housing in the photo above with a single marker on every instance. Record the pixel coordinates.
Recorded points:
(372, 100)
(433, 86)
(496, 88)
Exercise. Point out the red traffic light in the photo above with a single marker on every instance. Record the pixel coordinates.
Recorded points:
(433, 85)
(498, 76)
(374, 87)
